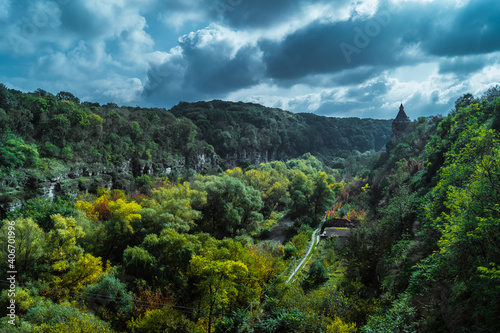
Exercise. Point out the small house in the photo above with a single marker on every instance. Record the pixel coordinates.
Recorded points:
(341, 233)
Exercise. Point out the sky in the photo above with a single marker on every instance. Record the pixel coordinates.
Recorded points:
(342, 58)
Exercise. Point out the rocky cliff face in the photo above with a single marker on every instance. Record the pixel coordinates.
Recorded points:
(237, 158)
(59, 179)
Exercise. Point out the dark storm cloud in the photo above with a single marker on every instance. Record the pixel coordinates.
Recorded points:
(473, 29)
(355, 75)
(79, 20)
(385, 40)
(202, 69)
(222, 75)
(357, 101)
(302, 54)
(254, 13)
(328, 52)
(462, 66)
(378, 42)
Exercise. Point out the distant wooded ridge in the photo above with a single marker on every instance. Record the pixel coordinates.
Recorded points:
(62, 127)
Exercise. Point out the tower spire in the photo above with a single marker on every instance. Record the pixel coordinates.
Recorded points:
(402, 114)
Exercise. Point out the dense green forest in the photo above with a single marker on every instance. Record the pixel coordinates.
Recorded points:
(236, 128)
(55, 145)
(194, 251)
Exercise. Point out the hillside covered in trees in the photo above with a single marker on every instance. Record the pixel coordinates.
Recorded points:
(57, 145)
(196, 253)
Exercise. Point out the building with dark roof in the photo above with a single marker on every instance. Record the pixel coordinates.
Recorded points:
(401, 125)
(341, 233)
(402, 115)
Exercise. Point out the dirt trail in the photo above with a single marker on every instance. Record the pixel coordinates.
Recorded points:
(278, 233)
(314, 241)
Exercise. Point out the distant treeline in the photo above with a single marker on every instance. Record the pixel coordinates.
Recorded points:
(235, 127)
(61, 126)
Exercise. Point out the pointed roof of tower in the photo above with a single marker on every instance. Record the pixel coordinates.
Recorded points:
(402, 114)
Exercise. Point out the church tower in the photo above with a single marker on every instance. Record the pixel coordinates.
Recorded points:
(402, 115)
(400, 125)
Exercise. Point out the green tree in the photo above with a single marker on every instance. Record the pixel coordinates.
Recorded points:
(300, 190)
(316, 275)
(170, 206)
(7, 100)
(323, 194)
(161, 320)
(41, 211)
(30, 247)
(15, 153)
(162, 260)
(109, 299)
(272, 185)
(67, 96)
(231, 209)
(399, 318)
(218, 280)
(311, 195)
(46, 316)
(118, 214)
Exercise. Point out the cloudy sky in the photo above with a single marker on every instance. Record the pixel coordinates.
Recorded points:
(330, 57)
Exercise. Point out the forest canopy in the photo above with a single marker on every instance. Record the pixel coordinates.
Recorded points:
(106, 246)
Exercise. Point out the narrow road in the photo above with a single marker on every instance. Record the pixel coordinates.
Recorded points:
(314, 241)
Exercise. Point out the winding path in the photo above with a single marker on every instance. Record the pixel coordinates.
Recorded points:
(314, 241)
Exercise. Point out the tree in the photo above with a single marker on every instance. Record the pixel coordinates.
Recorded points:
(399, 318)
(161, 320)
(53, 258)
(491, 93)
(71, 268)
(272, 185)
(464, 211)
(464, 101)
(170, 206)
(109, 299)
(7, 100)
(30, 247)
(232, 208)
(41, 210)
(46, 316)
(15, 153)
(217, 280)
(316, 275)
(67, 96)
(162, 260)
(311, 195)
(323, 193)
(300, 190)
(118, 214)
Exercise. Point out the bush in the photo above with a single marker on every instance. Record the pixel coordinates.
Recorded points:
(164, 320)
(316, 275)
(49, 317)
(109, 293)
(289, 251)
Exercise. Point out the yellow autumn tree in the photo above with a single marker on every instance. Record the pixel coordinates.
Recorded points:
(71, 268)
(117, 214)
